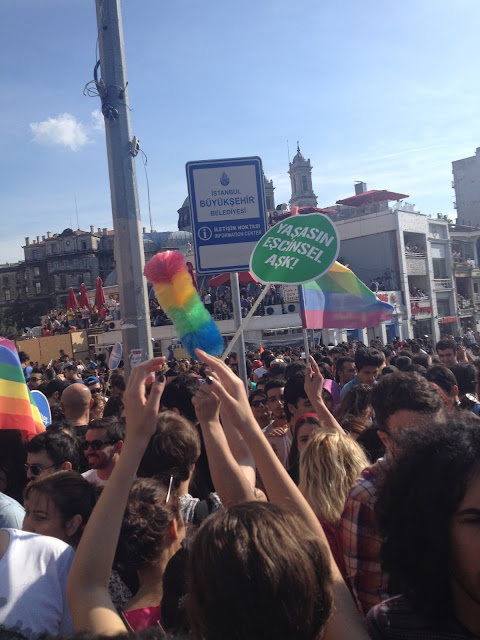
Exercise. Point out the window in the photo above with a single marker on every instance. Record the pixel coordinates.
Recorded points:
(84, 245)
(5, 281)
(63, 281)
(443, 308)
(34, 254)
(7, 295)
(55, 265)
(54, 247)
(38, 288)
(439, 269)
(305, 183)
(269, 203)
(65, 264)
(36, 271)
(26, 291)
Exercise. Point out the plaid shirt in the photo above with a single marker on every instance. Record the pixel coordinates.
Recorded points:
(361, 540)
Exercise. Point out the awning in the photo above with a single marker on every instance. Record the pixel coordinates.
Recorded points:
(370, 197)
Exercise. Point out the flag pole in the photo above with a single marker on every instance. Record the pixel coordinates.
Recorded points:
(305, 346)
(245, 321)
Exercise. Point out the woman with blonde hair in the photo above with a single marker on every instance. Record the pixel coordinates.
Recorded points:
(329, 466)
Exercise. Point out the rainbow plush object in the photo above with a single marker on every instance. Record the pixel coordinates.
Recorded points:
(179, 299)
(17, 406)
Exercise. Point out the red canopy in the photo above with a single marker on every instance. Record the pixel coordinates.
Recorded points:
(369, 197)
(99, 294)
(72, 299)
(84, 301)
(245, 277)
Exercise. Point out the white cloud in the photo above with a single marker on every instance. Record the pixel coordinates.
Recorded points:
(65, 130)
(98, 122)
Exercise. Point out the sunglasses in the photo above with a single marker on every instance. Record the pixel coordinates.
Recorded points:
(257, 403)
(36, 469)
(95, 390)
(96, 445)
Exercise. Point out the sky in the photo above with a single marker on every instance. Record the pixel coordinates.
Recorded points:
(382, 91)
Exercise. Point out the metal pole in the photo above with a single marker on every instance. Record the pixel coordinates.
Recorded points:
(305, 347)
(237, 316)
(121, 152)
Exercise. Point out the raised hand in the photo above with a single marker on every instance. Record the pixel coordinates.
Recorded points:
(141, 413)
(314, 382)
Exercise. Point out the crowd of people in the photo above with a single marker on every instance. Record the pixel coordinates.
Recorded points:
(412, 247)
(336, 498)
(82, 317)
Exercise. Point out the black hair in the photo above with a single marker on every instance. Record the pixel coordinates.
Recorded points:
(114, 426)
(295, 368)
(442, 376)
(466, 374)
(445, 344)
(294, 390)
(178, 394)
(339, 366)
(426, 485)
(368, 357)
(60, 447)
(404, 392)
(173, 449)
(56, 385)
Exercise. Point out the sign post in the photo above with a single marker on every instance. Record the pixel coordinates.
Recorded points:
(227, 202)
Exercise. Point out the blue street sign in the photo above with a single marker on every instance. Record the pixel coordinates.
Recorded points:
(227, 203)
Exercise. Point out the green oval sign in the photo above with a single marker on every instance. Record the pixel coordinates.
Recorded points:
(299, 249)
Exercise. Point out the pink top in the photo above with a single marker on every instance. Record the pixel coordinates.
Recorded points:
(139, 619)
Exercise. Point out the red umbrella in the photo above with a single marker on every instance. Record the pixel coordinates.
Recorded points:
(84, 301)
(72, 299)
(245, 277)
(99, 293)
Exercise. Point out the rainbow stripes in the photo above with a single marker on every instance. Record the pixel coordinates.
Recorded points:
(339, 300)
(17, 406)
(179, 299)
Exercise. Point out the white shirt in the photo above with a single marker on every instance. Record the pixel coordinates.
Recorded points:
(33, 580)
(92, 476)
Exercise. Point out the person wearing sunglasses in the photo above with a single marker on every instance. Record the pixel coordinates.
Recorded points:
(259, 405)
(102, 445)
(94, 385)
(52, 451)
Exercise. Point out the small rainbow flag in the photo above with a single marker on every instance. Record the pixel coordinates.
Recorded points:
(17, 406)
(339, 300)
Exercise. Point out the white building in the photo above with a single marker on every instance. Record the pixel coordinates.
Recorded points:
(410, 252)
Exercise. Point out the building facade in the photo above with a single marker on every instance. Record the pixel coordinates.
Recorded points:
(409, 253)
(466, 182)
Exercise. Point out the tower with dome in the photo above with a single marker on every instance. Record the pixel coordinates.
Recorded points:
(300, 171)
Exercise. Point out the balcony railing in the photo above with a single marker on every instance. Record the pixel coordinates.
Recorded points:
(411, 254)
(442, 283)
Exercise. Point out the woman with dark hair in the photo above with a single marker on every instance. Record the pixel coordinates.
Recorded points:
(59, 505)
(354, 413)
(431, 541)
(303, 431)
(146, 544)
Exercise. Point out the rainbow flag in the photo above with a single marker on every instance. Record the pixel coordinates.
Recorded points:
(339, 300)
(17, 406)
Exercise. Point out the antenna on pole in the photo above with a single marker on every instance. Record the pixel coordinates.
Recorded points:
(288, 152)
(76, 211)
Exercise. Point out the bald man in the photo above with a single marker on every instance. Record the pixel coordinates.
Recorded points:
(76, 402)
